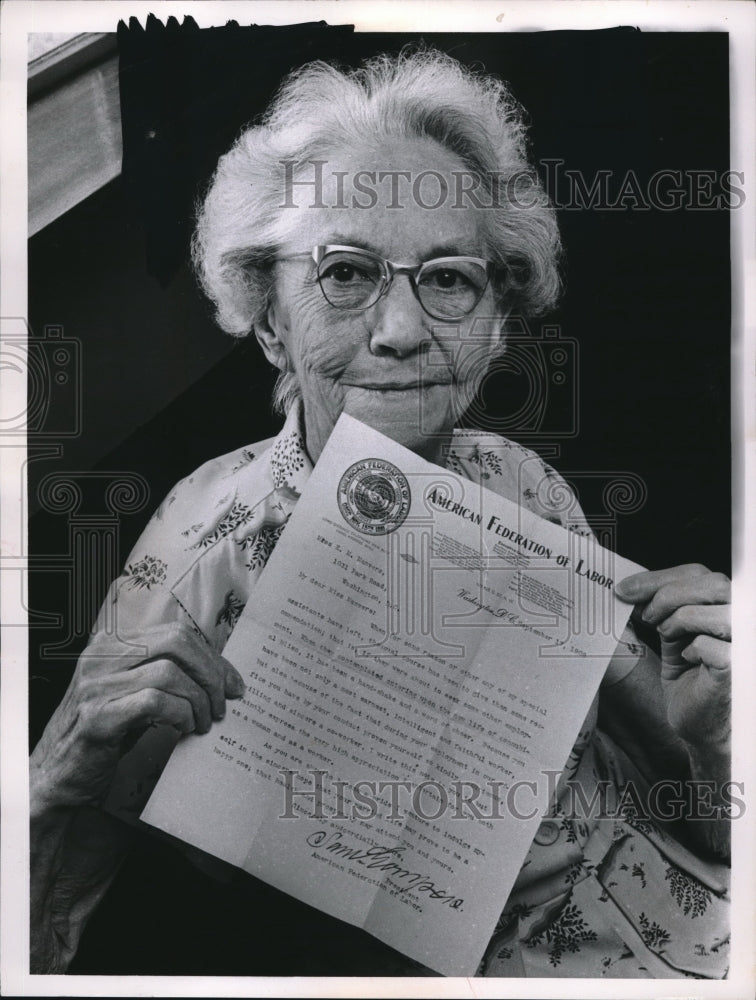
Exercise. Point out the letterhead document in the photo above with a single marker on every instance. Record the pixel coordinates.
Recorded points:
(419, 655)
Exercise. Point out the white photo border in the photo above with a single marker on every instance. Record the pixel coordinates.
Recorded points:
(20, 17)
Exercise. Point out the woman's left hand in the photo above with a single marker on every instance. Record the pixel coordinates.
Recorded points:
(690, 608)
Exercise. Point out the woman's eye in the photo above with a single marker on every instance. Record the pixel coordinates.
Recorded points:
(341, 272)
(447, 278)
(345, 273)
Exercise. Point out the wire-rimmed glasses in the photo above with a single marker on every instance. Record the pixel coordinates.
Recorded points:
(353, 279)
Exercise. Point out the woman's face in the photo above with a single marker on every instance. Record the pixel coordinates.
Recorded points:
(392, 365)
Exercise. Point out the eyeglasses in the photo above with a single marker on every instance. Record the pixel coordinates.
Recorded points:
(352, 279)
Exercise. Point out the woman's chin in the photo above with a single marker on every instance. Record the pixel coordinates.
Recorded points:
(419, 419)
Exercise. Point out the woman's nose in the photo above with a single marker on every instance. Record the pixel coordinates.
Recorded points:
(397, 324)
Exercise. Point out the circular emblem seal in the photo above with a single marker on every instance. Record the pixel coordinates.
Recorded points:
(373, 496)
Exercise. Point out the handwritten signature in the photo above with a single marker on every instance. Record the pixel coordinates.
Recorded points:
(496, 612)
(383, 859)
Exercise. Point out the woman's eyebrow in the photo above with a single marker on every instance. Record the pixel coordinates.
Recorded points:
(464, 249)
(344, 240)
(467, 249)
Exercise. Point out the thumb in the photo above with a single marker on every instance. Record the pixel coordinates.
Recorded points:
(233, 682)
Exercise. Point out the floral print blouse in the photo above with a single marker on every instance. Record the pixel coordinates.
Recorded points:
(614, 898)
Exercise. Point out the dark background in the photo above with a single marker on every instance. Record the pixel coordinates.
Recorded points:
(647, 300)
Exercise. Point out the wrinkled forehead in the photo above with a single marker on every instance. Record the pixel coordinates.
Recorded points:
(403, 198)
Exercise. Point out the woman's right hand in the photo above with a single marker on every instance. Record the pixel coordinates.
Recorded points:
(120, 687)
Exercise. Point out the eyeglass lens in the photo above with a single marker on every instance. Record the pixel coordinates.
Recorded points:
(447, 289)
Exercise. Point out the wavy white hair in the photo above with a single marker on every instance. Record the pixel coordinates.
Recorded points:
(321, 108)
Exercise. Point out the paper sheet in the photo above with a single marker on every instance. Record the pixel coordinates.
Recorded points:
(419, 655)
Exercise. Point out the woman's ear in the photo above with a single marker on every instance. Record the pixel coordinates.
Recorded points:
(266, 331)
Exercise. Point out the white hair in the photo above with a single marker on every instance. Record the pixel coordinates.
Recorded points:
(319, 107)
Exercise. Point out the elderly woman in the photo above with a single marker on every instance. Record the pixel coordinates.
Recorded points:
(375, 231)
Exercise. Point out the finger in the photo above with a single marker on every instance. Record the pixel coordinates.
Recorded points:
(197, 658)
(209, 669)
(113, 651)
(162, 675)
(698, 619)
(672, 660)
(713, 588)
(165, 675)
(641, 587)
(114, 720)
(234, 684)
(712, 653)
(109, 654)
(680, 656)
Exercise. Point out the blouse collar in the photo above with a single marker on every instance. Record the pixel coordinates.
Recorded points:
(289, 462)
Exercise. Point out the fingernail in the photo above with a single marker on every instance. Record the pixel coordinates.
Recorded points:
(626, 588)
(238, 686)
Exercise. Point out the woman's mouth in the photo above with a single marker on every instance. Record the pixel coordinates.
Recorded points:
(395, 386)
